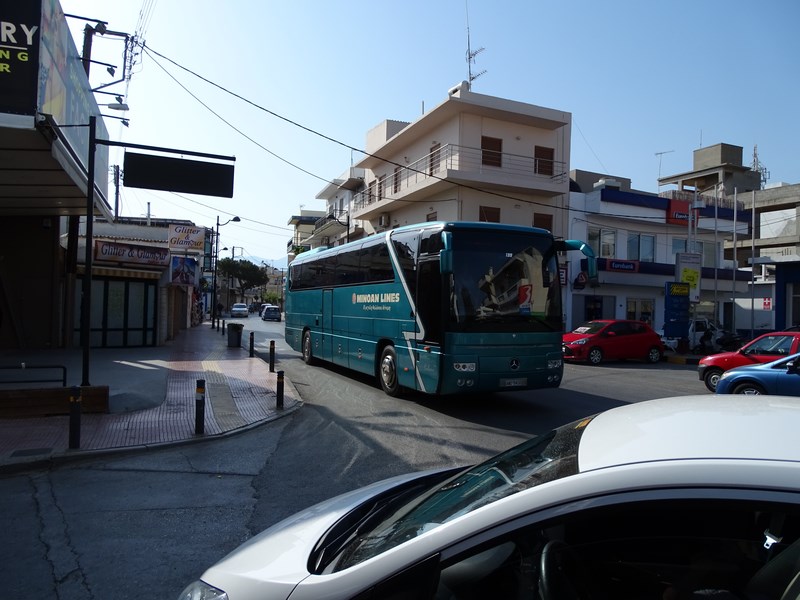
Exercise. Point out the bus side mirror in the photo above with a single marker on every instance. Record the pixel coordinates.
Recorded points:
(446, 261)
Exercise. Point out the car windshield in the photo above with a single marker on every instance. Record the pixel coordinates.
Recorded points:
(545, 458)
(589, 327)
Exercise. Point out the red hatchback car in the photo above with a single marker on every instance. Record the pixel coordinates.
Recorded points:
(765, 348)
(603, 339)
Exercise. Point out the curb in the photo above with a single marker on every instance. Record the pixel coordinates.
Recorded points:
(683, 360)
(61, 457)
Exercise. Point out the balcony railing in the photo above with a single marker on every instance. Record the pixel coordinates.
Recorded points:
(452, 157)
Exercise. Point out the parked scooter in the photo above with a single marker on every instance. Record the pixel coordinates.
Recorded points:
(730, 342)
(726, 342)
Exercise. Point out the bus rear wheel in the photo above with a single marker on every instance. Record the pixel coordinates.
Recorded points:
(387, 372)
(308, 355)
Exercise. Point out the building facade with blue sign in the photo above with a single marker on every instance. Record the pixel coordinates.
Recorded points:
(639, 238)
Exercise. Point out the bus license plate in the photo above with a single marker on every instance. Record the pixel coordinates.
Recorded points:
(518, 382)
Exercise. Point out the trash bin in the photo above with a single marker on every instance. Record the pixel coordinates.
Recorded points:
(235, 335)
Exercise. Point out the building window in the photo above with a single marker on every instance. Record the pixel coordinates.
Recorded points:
(396, 180)
(678, 246)
(543, 159)
(371, 192)
(641, 309)
(543, 220)
(491, 151)
(603, 242)
(431, 217)
(489, 214)
(642, 247)
(708, 250)
(435, 158)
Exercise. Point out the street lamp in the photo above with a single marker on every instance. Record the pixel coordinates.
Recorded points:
(230, 275)
(346, 224)
(214, 315)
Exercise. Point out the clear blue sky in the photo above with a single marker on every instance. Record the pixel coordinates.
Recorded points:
(639, 78)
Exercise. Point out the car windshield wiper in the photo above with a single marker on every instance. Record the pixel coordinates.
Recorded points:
(366, 516)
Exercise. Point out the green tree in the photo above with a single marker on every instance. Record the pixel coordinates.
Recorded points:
(248, 275)
(251, 276)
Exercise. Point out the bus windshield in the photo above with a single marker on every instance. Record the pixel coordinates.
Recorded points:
(505, 282)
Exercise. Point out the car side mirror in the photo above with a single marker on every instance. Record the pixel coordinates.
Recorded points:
(791, 367)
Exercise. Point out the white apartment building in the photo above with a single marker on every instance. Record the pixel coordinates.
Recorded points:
(471, 158)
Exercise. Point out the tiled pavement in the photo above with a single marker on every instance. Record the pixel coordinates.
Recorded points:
(153, 398)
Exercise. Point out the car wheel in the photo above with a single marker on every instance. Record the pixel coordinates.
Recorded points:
(711, 378)
(749, 389)
(655, 355)
(595, 356)
(308, 355)
(387, 372)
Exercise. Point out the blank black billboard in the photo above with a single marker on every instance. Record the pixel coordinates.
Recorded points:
(153, 172)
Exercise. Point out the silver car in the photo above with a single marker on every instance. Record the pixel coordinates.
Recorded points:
(240, 310)
(673, 498)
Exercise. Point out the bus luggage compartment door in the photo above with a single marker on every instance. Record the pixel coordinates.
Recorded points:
(428, 360)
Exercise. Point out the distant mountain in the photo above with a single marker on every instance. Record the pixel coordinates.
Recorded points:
(278, 263)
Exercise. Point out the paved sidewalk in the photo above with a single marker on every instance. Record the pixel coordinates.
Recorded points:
(153, 395)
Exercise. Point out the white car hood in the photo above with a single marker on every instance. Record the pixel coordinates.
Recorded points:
(272, 563)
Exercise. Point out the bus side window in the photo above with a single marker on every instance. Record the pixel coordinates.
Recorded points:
(405, 246)
(328, 273)
(347, 271)
(380, 265)
(431, 242)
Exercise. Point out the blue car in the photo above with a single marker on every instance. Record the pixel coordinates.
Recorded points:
(781, 377)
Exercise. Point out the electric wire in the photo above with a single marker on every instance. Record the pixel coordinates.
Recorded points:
(151, 51)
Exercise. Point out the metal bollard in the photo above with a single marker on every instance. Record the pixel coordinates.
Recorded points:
(222, 329)
(279, 399)
(272, 356)
(200, 407)
(252, 344)
(75, 418)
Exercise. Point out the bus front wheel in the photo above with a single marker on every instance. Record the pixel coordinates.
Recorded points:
(308, 355)
(387, 372)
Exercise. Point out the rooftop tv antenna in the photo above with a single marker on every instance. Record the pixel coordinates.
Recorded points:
(470, 54)
(660, 156)
(761, 169)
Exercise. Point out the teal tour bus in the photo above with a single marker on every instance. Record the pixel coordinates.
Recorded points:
(440, 308)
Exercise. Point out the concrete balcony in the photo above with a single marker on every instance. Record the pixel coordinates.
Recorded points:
(461, 165)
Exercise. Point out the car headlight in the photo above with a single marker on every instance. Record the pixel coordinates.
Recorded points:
(200, 590)
(726, 374)
(579, 342)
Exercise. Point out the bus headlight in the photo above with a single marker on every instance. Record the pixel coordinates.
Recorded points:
(465, 367)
